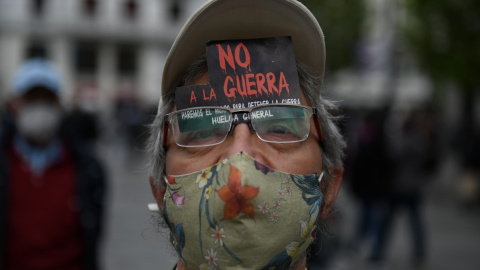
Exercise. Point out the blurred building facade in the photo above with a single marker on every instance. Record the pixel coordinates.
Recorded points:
(115, 49)
(105, 49)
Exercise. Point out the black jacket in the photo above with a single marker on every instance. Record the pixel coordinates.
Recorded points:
(91, 186)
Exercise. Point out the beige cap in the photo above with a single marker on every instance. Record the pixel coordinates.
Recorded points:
(244, 19)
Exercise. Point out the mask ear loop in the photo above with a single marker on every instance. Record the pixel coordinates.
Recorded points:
(320, 177)
(153, 207)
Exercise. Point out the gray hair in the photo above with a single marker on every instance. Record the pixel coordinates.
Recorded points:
(333, 143)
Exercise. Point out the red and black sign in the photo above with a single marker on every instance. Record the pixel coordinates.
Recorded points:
(246, 73)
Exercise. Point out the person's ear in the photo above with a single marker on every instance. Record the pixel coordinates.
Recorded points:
(330, 190)
(158, 192)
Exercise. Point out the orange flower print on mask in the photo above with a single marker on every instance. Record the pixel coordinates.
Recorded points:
(236, 196)
(171, 180)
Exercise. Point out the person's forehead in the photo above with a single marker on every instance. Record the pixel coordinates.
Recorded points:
(203, 79)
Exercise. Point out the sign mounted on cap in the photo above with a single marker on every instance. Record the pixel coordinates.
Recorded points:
(245, 73)
(246, 19)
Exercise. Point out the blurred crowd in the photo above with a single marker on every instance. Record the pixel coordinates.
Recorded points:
(393, 159)
(51, 172)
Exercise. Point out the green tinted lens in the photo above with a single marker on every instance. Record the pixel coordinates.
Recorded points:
(281, 123)
(201, 127)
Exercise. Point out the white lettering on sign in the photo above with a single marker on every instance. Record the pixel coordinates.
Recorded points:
(220, 119)
(238, 106)
(257, 103)
(291, 101)
(235, 118)
(261, 114)
(192, 114)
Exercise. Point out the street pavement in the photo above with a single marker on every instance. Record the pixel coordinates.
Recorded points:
(132, 240)
(453, 240)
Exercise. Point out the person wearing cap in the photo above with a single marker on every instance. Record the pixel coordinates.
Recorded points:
(51, 186)
(245, 159)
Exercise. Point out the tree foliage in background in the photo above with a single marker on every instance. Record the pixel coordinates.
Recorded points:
(341, 22)
(444, 36)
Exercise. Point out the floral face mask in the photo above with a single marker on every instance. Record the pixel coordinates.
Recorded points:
(241, 214)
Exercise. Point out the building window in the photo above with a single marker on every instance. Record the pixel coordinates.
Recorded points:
(126, 61)
(86, 58)
(36, 49)
(37, 7)
(130, 9)
(175, 9)
(90, 7)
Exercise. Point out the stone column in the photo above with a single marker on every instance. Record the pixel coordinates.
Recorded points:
(12, 47)
(150, 73)
(60, 55)
(106, 75)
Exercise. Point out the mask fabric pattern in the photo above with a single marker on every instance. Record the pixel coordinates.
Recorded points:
(38, 122)
(241, 214)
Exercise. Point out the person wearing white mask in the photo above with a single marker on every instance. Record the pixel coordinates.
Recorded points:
(245, 158)
(51, 185)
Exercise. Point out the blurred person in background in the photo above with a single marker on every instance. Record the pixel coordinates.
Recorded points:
(414, 158)
(51, 185)
(82, 120)
(251, 194)
(368, 145)
(132, 118)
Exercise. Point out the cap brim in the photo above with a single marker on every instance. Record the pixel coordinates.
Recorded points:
(244, 19)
